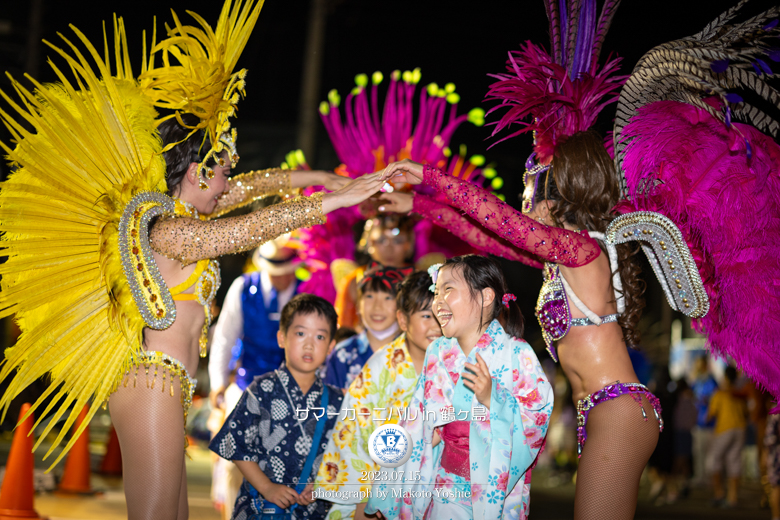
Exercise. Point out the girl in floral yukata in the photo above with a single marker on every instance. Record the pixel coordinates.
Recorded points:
(483, 404)
(379, 395)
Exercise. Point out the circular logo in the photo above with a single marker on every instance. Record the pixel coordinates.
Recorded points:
(390, 445)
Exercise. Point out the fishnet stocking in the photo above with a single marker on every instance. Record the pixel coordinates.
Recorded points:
(150, 425)
(619, 445)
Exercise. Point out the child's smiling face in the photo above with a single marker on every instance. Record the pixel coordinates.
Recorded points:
(453, 305)
(377, 310)
(421, 327)
(306, 343)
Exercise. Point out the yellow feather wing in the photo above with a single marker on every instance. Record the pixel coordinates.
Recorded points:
(84, 147)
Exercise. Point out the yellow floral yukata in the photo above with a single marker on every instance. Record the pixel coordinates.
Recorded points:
(378, 395)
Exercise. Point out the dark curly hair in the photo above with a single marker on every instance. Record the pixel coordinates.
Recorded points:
(179, 158)
(584, 185)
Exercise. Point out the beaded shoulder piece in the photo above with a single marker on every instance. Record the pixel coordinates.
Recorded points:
(151, 295)
(552, 308)
(669, 255)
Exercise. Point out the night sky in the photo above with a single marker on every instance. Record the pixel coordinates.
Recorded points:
(458, 42)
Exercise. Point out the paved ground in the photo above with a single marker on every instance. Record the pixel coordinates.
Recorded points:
(555, 501)
(551, 498)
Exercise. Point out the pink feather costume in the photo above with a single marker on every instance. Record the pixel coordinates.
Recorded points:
(714, 180)
(370, 136)
(728, 210)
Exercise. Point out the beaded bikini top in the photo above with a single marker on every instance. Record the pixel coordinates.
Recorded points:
(155, 301)
(206, 279)
(552, 307)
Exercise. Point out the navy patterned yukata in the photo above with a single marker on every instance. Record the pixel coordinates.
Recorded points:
(263, 429)
(346, 361)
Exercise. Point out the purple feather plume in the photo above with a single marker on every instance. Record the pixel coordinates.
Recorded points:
(538, 94)
(560, 93)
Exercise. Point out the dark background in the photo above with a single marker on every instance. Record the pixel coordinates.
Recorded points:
(458, 42)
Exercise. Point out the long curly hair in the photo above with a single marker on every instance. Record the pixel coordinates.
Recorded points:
(585, 187)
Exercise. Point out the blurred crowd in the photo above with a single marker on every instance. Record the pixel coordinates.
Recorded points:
(718, 431)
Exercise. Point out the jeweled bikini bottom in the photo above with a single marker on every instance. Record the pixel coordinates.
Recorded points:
(609, 392)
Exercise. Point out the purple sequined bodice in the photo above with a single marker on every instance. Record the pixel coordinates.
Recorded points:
(552, 308)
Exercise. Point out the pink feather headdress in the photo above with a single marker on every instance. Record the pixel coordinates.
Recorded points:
(366, 142)
(556, 95)
(368, 136)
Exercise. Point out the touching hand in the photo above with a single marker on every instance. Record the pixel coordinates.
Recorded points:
(397, 201)
(281, 495)
(404, 171)
(333, 182)
(307, 495)
(477, 379)
(354, 192)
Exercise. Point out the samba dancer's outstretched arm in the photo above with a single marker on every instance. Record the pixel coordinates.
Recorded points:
(189, 240)
(551, 244)
(459, 225)
(258, 184)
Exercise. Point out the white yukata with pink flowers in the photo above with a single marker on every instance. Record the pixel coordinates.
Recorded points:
(502, 448)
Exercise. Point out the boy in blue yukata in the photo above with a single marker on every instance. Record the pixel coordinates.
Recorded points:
(282, 417)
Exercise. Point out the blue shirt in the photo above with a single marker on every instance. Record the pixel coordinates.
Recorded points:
(703, 388)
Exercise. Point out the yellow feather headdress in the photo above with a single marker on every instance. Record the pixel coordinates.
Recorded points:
(85, 148)
(203, 82)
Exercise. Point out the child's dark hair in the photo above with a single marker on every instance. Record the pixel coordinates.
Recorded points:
(179, 158)
(308, 304)
(383, 279)
(481, 272)
(414, 293)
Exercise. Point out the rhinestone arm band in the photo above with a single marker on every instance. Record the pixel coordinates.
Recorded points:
(189, 240)
(550, 243)
(460, 226)
(251, 186)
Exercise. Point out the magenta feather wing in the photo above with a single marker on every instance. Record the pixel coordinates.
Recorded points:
(685, 164)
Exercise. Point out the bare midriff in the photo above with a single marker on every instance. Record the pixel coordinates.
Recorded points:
(180, 340)
(593, 356)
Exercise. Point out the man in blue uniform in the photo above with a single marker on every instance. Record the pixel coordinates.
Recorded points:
(245, 334)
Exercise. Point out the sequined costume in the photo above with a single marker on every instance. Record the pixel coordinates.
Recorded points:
(491, 478)
(85, 210)
(635, 390)
(556, 95)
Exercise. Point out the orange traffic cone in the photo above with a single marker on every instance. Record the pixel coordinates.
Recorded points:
(76, 476)
(112, 460)
(16, 496)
